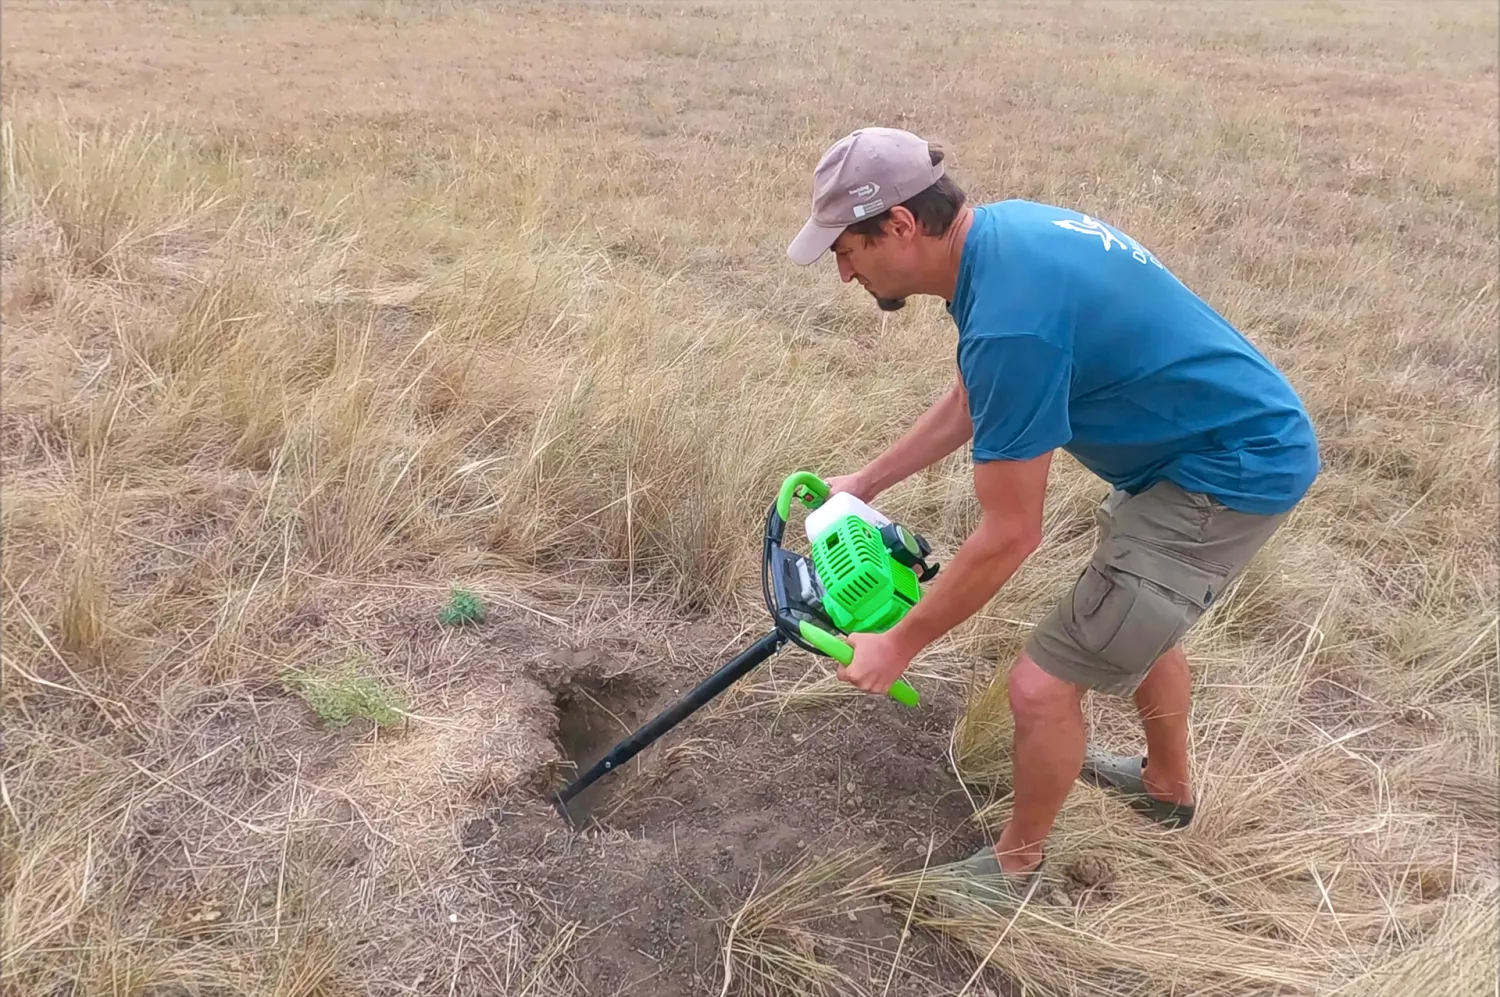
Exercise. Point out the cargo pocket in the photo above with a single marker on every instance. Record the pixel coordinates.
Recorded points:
(1102, 602)
(1156, 600)
(1088, 592)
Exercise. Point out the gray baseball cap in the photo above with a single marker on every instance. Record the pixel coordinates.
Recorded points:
(861, 175)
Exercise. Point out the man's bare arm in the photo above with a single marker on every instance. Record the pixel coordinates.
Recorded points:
(939, 431)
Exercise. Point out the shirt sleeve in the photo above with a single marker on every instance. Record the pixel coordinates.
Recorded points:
(1018, 387)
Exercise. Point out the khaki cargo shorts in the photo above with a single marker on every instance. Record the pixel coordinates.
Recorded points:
(1164, 555)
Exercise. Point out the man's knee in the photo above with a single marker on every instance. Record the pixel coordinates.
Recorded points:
(1036, 695)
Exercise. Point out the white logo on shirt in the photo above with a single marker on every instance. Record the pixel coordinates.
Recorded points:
(1108, 237)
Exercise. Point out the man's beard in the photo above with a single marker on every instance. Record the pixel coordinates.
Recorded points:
(890, 304)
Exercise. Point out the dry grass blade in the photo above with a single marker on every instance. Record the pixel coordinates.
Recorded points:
(1117, 948)
(781, 940)
(117, 712)
(812, 688)
(1456, 957)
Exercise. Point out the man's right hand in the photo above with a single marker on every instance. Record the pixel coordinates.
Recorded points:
(851, 483)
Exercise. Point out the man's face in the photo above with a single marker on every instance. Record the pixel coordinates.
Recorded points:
(882, 265)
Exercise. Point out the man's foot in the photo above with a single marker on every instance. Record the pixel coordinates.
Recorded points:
(980, 877)
(1125, 774)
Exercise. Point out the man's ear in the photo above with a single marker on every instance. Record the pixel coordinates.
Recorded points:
(901, 223)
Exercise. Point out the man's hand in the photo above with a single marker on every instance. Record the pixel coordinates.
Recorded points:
(854, 484)
(1011, 495)
(878, 662)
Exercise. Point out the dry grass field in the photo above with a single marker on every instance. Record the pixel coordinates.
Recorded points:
(315, 312)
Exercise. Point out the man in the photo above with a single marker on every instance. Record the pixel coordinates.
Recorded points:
(1073, 336)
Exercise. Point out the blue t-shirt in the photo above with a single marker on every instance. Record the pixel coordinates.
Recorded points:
(1072, 335)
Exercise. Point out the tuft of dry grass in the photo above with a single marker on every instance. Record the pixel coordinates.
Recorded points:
(783, 940)
(284, 365)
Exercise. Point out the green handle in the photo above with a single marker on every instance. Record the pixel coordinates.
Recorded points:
(800, 479)
(841, 651)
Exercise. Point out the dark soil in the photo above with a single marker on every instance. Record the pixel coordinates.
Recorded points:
(673, 843)
(591, 718)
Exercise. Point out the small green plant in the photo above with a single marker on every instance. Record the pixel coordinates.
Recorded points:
(463, 607)
(338, 695)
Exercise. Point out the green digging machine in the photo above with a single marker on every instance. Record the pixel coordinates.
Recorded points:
(861, 575)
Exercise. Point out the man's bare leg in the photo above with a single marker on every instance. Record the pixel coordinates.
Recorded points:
(1049, 747)
(1162, 702)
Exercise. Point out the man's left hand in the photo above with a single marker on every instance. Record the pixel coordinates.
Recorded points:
(878, 662)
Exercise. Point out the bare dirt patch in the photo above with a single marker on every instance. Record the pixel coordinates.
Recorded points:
(737, 795)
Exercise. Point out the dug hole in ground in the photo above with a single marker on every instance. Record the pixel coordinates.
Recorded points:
(391, 397)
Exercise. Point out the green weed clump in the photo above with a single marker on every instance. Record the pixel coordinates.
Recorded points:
(463, 607)
(340, 695)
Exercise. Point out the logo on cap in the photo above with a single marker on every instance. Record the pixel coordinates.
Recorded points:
(865, 191)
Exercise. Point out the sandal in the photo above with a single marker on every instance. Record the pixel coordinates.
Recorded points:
(1124, 774)
(980, 877)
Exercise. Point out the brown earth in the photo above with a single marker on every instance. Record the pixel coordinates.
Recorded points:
(731, 798)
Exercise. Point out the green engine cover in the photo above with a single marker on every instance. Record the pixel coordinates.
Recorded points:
(866, 589)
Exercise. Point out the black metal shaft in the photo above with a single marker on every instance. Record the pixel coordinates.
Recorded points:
(706, 690)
